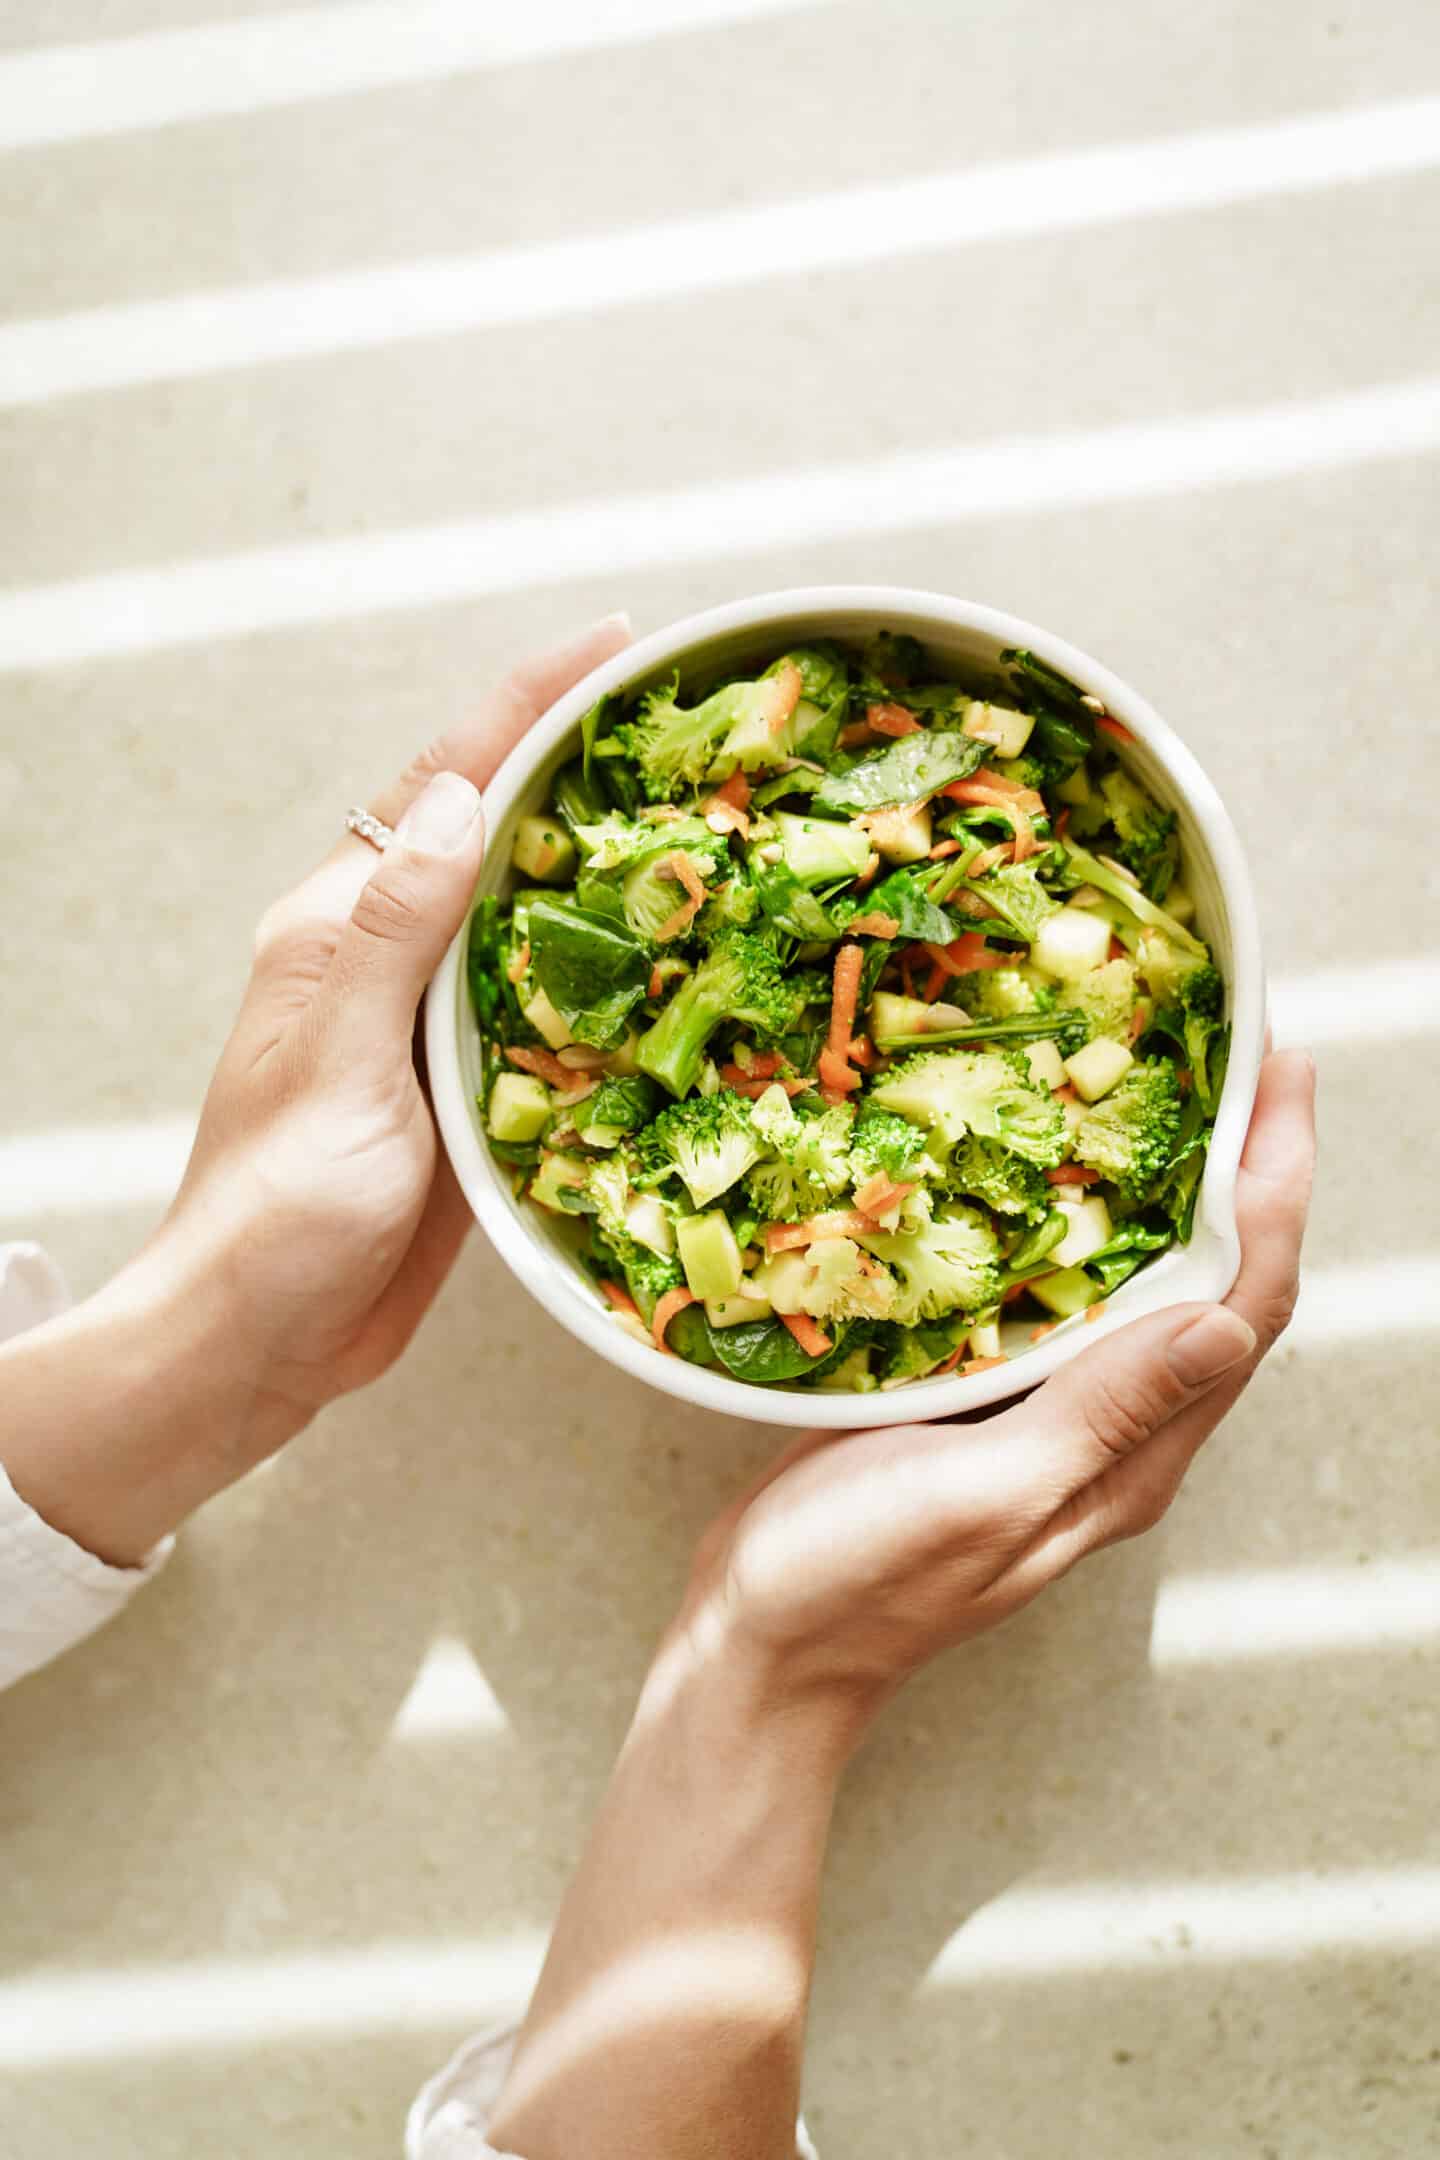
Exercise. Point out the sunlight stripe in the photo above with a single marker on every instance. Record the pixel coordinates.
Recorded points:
(1038, 1933)
(1383, 1000)
(88, 1169)
(1297, 1612)
(63, 93)
(1338, 1305)
(196, 333)
(131, 611)
(138, 2011)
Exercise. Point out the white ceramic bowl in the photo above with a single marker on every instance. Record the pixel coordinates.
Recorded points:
(959, 634)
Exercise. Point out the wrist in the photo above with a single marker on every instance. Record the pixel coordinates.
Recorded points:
(127, 1413)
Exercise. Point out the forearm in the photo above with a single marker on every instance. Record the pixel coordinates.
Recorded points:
(121, 1417)
(670, 2016)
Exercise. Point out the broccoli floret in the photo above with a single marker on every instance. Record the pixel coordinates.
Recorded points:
(672, 744)
(731, 906)
(648, 892)
(1104, 999)
(648, 1275)
(989, 1092)
(883, 1141)
(950, 1265)
(1129, 1135)
(1015, 892)
(1192, 993)
(708, 1142)
(1146, 832)
(841, 1282)
(1005, 1182)
(997, 993)
(738, 979)
(811, 1165)
(1026, 770)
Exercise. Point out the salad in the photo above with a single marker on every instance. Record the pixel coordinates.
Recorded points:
(842, 1008)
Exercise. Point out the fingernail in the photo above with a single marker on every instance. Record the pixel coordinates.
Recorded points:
(1210, 1345)
(619, 620)
(442, 815)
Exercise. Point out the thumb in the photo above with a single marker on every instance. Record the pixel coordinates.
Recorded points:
(1099, 1410)
(406, 915)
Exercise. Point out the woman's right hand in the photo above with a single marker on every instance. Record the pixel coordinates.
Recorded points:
(855, 1559)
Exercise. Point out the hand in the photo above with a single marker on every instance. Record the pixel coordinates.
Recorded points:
(316, 1221)
(857, 1558)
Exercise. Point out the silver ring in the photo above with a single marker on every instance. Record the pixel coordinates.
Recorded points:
(366, 826)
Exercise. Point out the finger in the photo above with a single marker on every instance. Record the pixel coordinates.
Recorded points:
(404, 917)
(434, 1249)
(298, 935)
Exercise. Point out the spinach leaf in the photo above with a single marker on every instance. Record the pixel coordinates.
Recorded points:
(762, 1351)
(913, 767)
(596, 723)
(790, 905)
(577, 798)
(591, 969)
(1128, 1249)
(903, 898)
(690, 1336)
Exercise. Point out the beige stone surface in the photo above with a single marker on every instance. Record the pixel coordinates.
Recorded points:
(212, 1793)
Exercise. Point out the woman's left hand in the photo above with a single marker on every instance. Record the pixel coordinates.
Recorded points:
(317, 1218)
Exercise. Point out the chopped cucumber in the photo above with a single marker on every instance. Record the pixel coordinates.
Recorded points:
(735, 1311)
(1069, 1290)
(519, 1107)
(1095, 1069)
(542, 849)
(709, 1254)
(818, 851)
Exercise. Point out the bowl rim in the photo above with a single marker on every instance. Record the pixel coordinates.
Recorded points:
(1205, 1269)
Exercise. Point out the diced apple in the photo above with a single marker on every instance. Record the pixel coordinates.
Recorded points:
(519, 1108)
(1046, 1064)
(903, 835)
(1095, 1069)
(1180, 902)
(1069, 943)
(647, 1222)
(546, 1022)
(782, 1279)
(542, 849)
(1075, 788)
(709, 1254)
(985, 1339)
(1000, 725)
(1087, 1228)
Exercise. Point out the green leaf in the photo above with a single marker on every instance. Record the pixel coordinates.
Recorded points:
(904, 772)
(591, 969)
(763, 1352)
(593, 726)
(791, 906)
(919, 920)
(1129, 1249)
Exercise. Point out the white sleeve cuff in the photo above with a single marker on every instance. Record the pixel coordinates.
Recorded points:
(450, 2117)
(52, 1592)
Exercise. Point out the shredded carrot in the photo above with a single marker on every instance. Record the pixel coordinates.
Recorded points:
(1003, 851)
(943, 848)
(1016, 1291)
(891, 720)
(784, 695)
(993, 789)
(948, 1364)
(934, 983)
(673, 1302)
(1117, 728)
(844, 1222)
(812, 1340)
(907, 980)
(1037, 1334)
(519, 964)
(872, 864)
(745, 1083)
(982, 1364)
(1093, 1312)
(876, 925)
(680, 867)
(1066, 1093)
(544, 1064)
(881, 1193)
(972, 955)
(620, 1298)
(1137, 1023)
(1024, 835)
(1062, 823)
(764, 1064)
(844, 997)
(657, 983)
(857, 733)
(1185, 1079)
(837, 1077)
(1071, 1173)
(862, 1052)
(1115, 950)
(735, 791)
